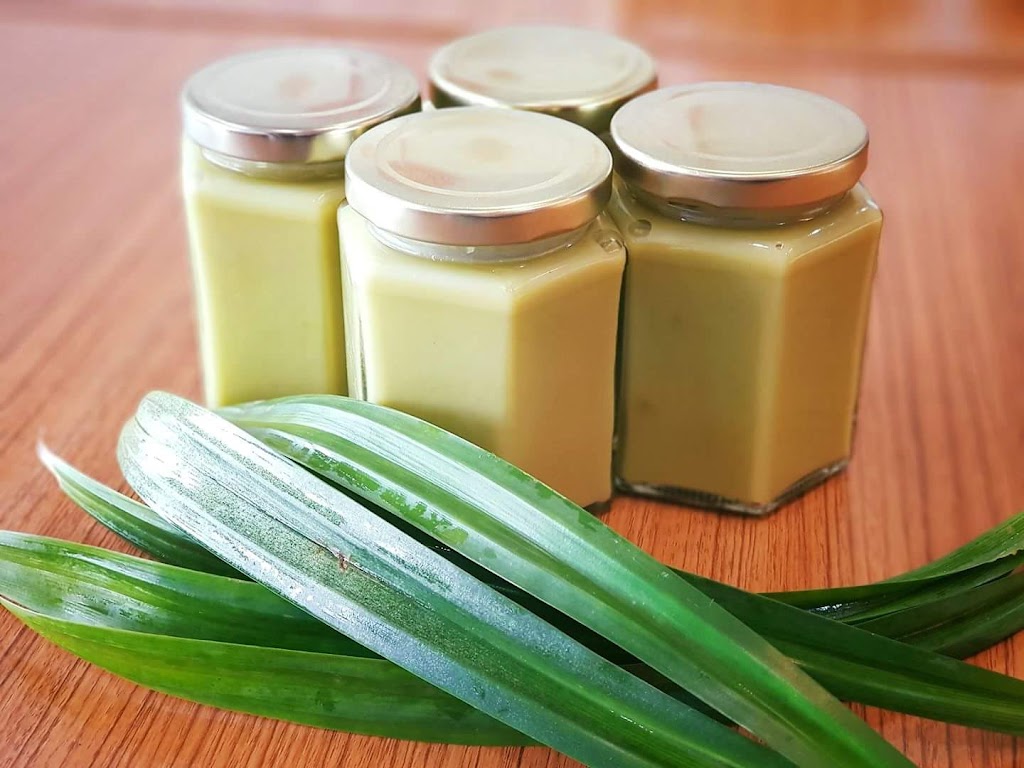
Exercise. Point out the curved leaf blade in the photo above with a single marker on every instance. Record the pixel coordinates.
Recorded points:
(69, 581)
(955, 628)
(81, 583)
(339, 561)
(500, 518)
(359, 695)
(1005, 539)
(140, 526)
(134, 522)
(868, 668)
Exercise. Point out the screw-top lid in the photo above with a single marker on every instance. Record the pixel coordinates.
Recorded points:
(580, 75)
(294, 105)
(739, 145)
(478, 176)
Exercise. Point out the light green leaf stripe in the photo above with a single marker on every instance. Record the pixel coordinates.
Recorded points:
(140, 526)
(1007, 538)
(355, 572)
(134, 522)
(969, 622)
(359, 695)
(80, 583)
(502, 519)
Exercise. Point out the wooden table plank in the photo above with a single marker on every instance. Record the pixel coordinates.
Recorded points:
(981, 35)
(95, 310)
(984, 35)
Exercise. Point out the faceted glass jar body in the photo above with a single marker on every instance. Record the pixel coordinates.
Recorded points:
(265, 263)
(741, 351)
(263, 165)
(516, 355)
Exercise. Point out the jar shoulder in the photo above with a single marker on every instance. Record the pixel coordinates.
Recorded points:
(202, 178)
(648, 232)
(599, 250)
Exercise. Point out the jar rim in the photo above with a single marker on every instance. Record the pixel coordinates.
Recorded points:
(478, 176)
(580, 75)
(294, 105)
(739, 145)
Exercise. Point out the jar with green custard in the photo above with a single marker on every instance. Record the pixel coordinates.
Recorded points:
(752, 249)
(580, 75)
(482, 283)
(265, 138)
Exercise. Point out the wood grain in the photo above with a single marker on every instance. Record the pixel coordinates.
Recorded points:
(918, 34)
(95, 310)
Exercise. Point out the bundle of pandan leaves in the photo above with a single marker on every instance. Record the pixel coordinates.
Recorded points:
(339, 564)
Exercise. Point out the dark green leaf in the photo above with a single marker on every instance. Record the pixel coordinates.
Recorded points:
(81, 583)
(139, 525)
(1007, 538)
(493, 514)
(134, 522)
(955, 628)
(861, 666)
(353, 571)
(361, 695)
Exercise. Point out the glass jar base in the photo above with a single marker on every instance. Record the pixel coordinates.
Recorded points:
(693, 498)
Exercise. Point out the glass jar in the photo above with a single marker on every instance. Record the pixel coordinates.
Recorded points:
(263, 175)
(752, 250)
(580, 75)
(482, 286)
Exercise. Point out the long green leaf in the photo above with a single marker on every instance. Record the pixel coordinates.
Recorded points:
(1007, 538)
(495, 515)
(869, 601)
(360, 695)
(849, 603)
(981, 624)
(975, 633)
(948, 589)
(360, 575)
(861, 666)
(134, 522)
(88, 585)
(82, 583)
(139, 525)
(994, 612)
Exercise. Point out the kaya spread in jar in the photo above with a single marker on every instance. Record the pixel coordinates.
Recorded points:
(752, 249)
(482, 285)
(263, 172)
(580, 75)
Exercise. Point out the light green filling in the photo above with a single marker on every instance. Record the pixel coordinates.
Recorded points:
(265, 261)
(516, 357)
(741, 349)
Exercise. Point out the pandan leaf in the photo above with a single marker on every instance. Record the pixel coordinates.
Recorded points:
(355, 572)
(347, 693)
(500, 518)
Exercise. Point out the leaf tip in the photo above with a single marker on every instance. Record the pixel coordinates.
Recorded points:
(48, 458)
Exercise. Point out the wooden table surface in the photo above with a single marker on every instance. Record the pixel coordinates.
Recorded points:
(95, 310)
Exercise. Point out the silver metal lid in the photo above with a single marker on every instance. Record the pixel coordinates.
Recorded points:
(294, 105)
(739, 145)
(478, 176)
(580, 75)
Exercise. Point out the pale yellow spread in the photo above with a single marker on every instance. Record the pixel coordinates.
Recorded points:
(517, 357)
(268, 288)
(741, 348)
